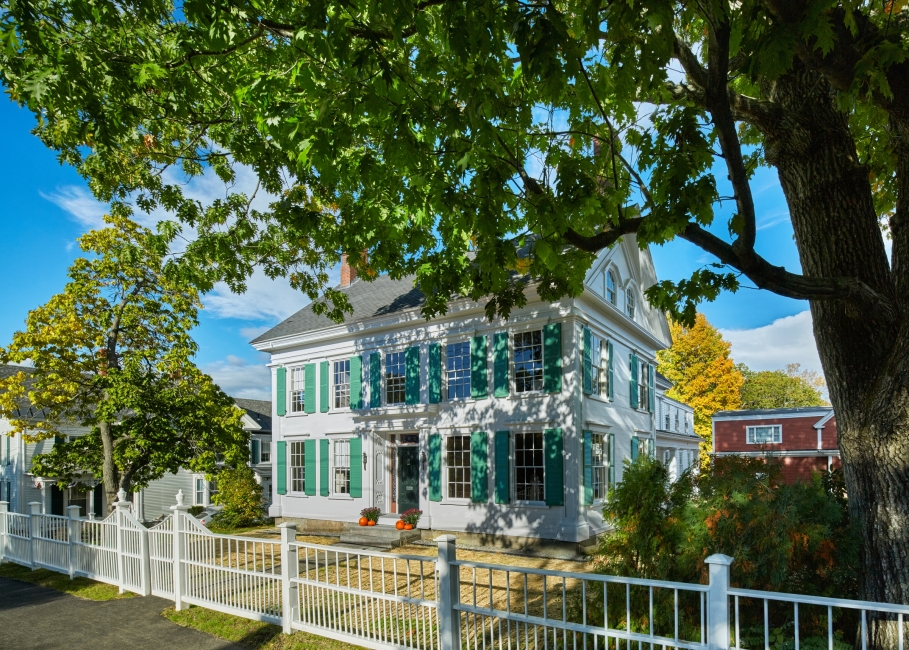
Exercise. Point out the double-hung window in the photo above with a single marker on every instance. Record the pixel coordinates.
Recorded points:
(529, 468)
(629, 303)
(265, 451)
(200, 492)
(528, 361)
(598, 375)
(297, 385)
(457, 365)
(341, 466)
(644, 384)
(765, 435)
(457, 465)
(395, 378)
(610, 287)
(79, 498)
(598, 455)
(341, 384)
(297, 467)
(676, 420)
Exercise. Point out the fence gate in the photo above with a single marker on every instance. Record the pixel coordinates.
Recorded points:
(95, 550)
(161, 558)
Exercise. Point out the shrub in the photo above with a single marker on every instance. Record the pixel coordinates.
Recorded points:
(241, 498)
(195, 511)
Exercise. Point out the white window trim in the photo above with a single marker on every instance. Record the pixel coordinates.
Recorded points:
(383, 356)
(512, 370)
(288, 411)
(513, 478)
(206, 491)
(445, 343)
(446, 500)
(289, 477)
(264, 443)
(331, 386)
(338, 496)
(750, 429)
(615, 282)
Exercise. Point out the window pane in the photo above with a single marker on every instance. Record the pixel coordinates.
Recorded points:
(341, 466)
(341, 383)
(457, 364)
(528, 361)
(458, 448)
(297, 467)
(529, 469)
(395, 391)
(297, 397)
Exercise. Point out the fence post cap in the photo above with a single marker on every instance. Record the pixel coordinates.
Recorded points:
(288, 524)
(445, 538)
(4, 506)
(719, 558)
(34, 507)
(73, 512)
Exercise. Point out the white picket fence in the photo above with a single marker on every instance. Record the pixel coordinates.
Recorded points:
(410, 602)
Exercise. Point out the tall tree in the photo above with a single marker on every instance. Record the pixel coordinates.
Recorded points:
(704, 375)
(113, 352)
(438, 134)
(773, 389)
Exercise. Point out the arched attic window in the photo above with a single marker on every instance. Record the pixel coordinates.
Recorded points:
(610, 287)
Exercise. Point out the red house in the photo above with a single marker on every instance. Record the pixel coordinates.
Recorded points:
(804, 438)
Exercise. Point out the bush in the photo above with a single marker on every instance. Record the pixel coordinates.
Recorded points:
(195, 511)
(241, 498)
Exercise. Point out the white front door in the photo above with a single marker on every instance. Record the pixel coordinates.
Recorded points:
(379, 489)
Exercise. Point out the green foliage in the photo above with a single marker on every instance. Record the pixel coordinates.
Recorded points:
(771, 389)
(436, 135)
(112, 353)
(195, 511)
(241, 498)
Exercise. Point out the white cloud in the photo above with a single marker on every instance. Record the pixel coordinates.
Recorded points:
(79, 203)
(265, 299)
(239, 378)
(773, 219)
(250, 333)
(771, 347)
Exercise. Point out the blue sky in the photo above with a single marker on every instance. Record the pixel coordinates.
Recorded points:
(47, 206)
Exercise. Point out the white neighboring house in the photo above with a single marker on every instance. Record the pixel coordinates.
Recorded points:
(676, 442)
(19, 486)
(502, 429)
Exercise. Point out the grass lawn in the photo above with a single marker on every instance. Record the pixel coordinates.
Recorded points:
(80, 587)
(250, 634)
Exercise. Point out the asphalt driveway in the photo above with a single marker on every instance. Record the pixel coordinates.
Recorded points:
(34, 618)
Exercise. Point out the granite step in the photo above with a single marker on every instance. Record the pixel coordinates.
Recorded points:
(381, 536)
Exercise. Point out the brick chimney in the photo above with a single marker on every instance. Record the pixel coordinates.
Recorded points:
(349, 273)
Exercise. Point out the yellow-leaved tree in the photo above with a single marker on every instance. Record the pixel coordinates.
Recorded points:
(703, 374)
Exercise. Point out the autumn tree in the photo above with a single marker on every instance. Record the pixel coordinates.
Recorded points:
(442, 136)
(113, 353)
(773, 389)
(703, 374)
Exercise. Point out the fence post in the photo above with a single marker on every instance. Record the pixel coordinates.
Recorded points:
(73, 536)
(4, 508)
(449, 594)
(718, 602)
(120, 506)
(179, 511)
(34, 508)
(290, 570)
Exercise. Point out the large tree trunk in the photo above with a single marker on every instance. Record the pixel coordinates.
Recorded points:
(109, 473)
(864, 352)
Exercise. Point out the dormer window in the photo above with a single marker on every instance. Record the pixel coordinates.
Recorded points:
(610, 287)
(629, 303)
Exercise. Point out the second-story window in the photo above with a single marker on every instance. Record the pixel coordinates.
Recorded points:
(297, 467)
(629, 302)
(528, 361)
(676, 420)
(297, 396)
(265, 451)
(644, 385)
(341, 384)
(598, 377)
(395, 389)
(457, 364)
(667, 421)
(764, 435)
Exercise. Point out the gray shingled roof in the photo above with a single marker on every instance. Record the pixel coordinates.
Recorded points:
(258, 409)
(25, 409)
(380, 297)
(807, 410)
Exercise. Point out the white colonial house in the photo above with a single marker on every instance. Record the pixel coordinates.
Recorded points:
(505, 428)
(19, 486)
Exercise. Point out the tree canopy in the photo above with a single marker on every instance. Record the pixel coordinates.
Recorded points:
(112, 352)
(773, 389)
(703, 374)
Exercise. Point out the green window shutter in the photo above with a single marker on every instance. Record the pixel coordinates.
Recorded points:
(356, 468)
(435, 373)
(254, 455)
(554, 467)
(650, 390)
(634, 448)
(611, 372)
(309, 467)
(309, 388)
(412, 375)
(612, 461)
(586, 345)
(435, 467)
(375, 380)
(282, 391)
(282, 467)
(479, 382)
(323, 386)
(634, 381)
(323, 467)
(500, 364)
(588, 468)
(503, 467)
(356, 382)
(479, 467)
(552, 358)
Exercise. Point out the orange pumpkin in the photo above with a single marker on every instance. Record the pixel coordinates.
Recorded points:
(363, 521)
(408, 526)
(371, 523)
(399, 524)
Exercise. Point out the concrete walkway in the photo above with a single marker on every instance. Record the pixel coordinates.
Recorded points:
(34, 618)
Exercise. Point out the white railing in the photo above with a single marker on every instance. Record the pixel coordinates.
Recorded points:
(409, 602)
